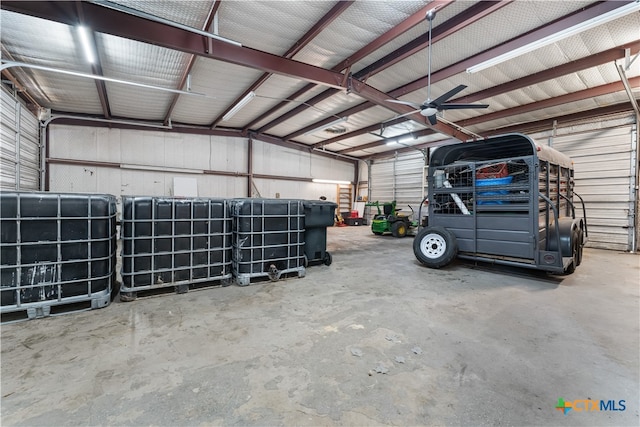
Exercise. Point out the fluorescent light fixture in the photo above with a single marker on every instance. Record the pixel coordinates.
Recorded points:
(328, 125)
(330, 181)
(402, 141)
(406, 139)
(244, 101)
(10, 64)
(560, 35)
(86, 44)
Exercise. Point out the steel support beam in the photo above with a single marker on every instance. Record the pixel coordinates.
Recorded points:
(192, 60)
(551, 102)
(96, 68)
(523, 109)
(549, 74)
(327, 19)
(523, 40)
(587, 62)
(449, 27)
(396, 31)
(546, 124)
(538, 126)
(109, 21)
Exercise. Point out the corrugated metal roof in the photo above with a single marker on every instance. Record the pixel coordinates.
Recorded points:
(318, 41)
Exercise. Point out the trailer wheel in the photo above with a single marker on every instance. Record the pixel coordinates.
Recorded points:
(575, 251)
(435, 247)
(399, 229)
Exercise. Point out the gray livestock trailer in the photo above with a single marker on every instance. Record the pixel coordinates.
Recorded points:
(503, 200)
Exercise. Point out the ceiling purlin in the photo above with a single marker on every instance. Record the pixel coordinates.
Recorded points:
(581, 64)
(96, 67)
(560, 24)
(540, 32)
(447, 28)
(523, 109)
(552, 102)
(369, 129)
(467, 17)
(415, 134)
(600, 58)
(120, 24)
(530, 127)
(547, 124)
(327, 19)
(385, 38)
(192, 60)
(378, 143)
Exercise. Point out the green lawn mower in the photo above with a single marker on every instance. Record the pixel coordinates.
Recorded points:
(389, 220)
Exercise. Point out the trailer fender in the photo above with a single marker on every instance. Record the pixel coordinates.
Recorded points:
(566, 227)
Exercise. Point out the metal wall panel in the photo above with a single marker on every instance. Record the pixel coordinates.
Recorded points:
(270, 159)
(8, 157)
(119, 182)
(399, 178)
(136, 163)
(144, 162)
(276, 188)
(19, 145)
(604, 176)
(150, 148)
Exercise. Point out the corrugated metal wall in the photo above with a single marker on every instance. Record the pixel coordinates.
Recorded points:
(270, 159)
(399, 178)
(19, 145)
(145, 162)
(605, 170)
(136, 162)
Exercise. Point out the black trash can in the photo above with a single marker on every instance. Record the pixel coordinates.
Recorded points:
(267, 239)
(318, 215)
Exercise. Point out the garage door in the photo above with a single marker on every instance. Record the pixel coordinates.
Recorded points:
(19, 145)
(605, 174)
(399, 178)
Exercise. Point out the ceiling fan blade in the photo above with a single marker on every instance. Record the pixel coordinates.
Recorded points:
(442, 98)
(406, 114)
(409, 103)
(461, 106)
(432, 119)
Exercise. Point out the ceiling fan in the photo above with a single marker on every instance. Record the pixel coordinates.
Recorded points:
(430, 107)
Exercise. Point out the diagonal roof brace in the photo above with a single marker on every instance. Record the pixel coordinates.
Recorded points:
(120, 24)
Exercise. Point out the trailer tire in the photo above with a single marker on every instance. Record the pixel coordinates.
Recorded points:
(399, 229)
(575, 251)
(435, 247)
(580, 246)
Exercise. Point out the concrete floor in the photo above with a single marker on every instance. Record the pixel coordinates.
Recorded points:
(466, 345)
